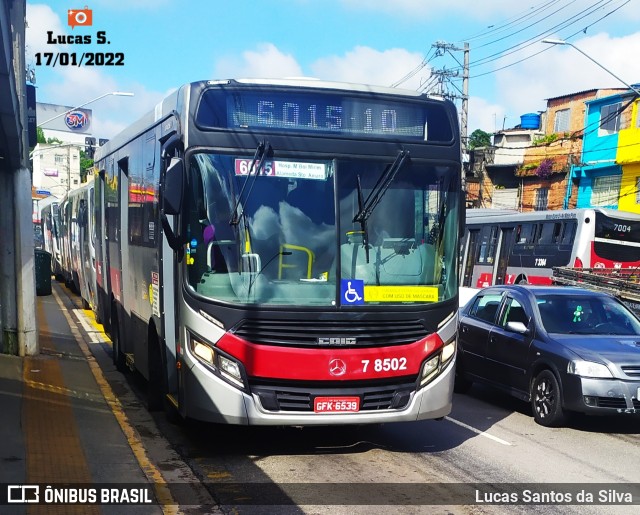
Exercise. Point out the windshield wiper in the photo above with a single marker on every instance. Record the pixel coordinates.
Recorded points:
(380, 188)
(363, 222)
(263, 151)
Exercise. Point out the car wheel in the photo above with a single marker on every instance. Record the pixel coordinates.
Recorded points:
(546, 400)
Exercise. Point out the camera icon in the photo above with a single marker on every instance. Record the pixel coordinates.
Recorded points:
(80, 17)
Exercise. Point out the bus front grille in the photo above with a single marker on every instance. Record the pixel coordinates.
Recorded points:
(372, 398)
(363, 333)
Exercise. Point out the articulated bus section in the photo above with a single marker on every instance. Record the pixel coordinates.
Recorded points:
(509, 247)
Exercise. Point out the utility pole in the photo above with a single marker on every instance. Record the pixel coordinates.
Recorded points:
(446, 75)
(443, 75)
(465, 102)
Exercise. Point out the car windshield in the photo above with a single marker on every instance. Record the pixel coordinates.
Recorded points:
(582, 314)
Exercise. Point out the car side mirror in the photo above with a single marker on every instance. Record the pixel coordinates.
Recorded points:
(517, 327)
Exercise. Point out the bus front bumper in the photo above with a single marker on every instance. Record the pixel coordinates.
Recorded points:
(208, 398)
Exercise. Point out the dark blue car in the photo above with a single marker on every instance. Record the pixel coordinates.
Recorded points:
(563, 349)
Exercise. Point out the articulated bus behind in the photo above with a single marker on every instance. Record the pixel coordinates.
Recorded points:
(508, 247)
(77, 243)
(49, 219)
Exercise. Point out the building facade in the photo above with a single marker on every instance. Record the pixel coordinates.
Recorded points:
(628, 158)
(597, 174)
(56, 168)
(575, 158)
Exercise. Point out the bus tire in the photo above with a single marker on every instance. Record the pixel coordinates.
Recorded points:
(118, 356)
(158, 384)
(522, 280)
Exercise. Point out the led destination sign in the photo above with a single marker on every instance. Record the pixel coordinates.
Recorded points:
(328, 113)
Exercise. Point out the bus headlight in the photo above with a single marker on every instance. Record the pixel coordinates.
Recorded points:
(220, 364)
(230, 370)
(436, 363)
(203, 352)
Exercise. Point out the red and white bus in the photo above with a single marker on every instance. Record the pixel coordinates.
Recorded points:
(509, 247)
(285, 252)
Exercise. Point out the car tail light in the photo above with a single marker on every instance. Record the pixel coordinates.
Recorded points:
(577, 263)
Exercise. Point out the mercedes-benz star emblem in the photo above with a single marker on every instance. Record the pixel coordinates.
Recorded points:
(337, 367)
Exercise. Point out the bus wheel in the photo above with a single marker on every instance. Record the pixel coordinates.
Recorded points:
(157, 386)
(522, 280)
(118, 356)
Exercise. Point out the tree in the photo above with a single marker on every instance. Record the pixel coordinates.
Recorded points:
(86, 164)
(479, 138)
(40, 138)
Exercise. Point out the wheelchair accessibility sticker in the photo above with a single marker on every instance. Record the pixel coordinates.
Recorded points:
(352, 291)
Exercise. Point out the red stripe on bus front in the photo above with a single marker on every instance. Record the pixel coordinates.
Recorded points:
(320, 364)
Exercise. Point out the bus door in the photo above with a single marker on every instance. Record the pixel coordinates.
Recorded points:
(100, 243)
(127, 287)
(505, 245)
(471, 251)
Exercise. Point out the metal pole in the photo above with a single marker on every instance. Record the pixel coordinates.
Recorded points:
(116, 93)
(562, 42)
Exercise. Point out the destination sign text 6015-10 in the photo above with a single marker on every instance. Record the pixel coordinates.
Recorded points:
(328, 113)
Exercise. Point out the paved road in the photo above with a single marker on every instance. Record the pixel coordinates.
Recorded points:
(488, 443)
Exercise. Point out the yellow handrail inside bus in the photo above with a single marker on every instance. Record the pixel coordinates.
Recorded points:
(310, 258)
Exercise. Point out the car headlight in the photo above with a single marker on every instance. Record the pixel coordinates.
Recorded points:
(436, 363)
(589, 369)
(220, 364)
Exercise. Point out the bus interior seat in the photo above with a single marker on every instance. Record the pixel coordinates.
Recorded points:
(388, 266)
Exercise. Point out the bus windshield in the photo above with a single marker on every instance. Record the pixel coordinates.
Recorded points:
(297, 240)
(617, 239)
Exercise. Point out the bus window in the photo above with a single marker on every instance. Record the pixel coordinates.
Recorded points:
(526, 235)
(488, 241)
(549, 233)
(569, 232)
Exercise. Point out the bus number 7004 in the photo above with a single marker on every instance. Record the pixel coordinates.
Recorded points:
(386, 364)
(621, 228)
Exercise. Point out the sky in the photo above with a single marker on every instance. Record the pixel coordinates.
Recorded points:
(401, 43)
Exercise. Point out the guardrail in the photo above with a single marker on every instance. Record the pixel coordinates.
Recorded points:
(623, 283)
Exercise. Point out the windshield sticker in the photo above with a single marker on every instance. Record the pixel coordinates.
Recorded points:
(577, 314)
(288, 169)
(352, 291)
(401, 293)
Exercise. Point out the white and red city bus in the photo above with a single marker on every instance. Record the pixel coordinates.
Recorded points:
(509, 247)
(285, 252)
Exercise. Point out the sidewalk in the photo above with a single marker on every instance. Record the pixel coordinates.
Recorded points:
(61, 422)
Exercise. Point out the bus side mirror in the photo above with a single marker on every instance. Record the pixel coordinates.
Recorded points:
(173, 186)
